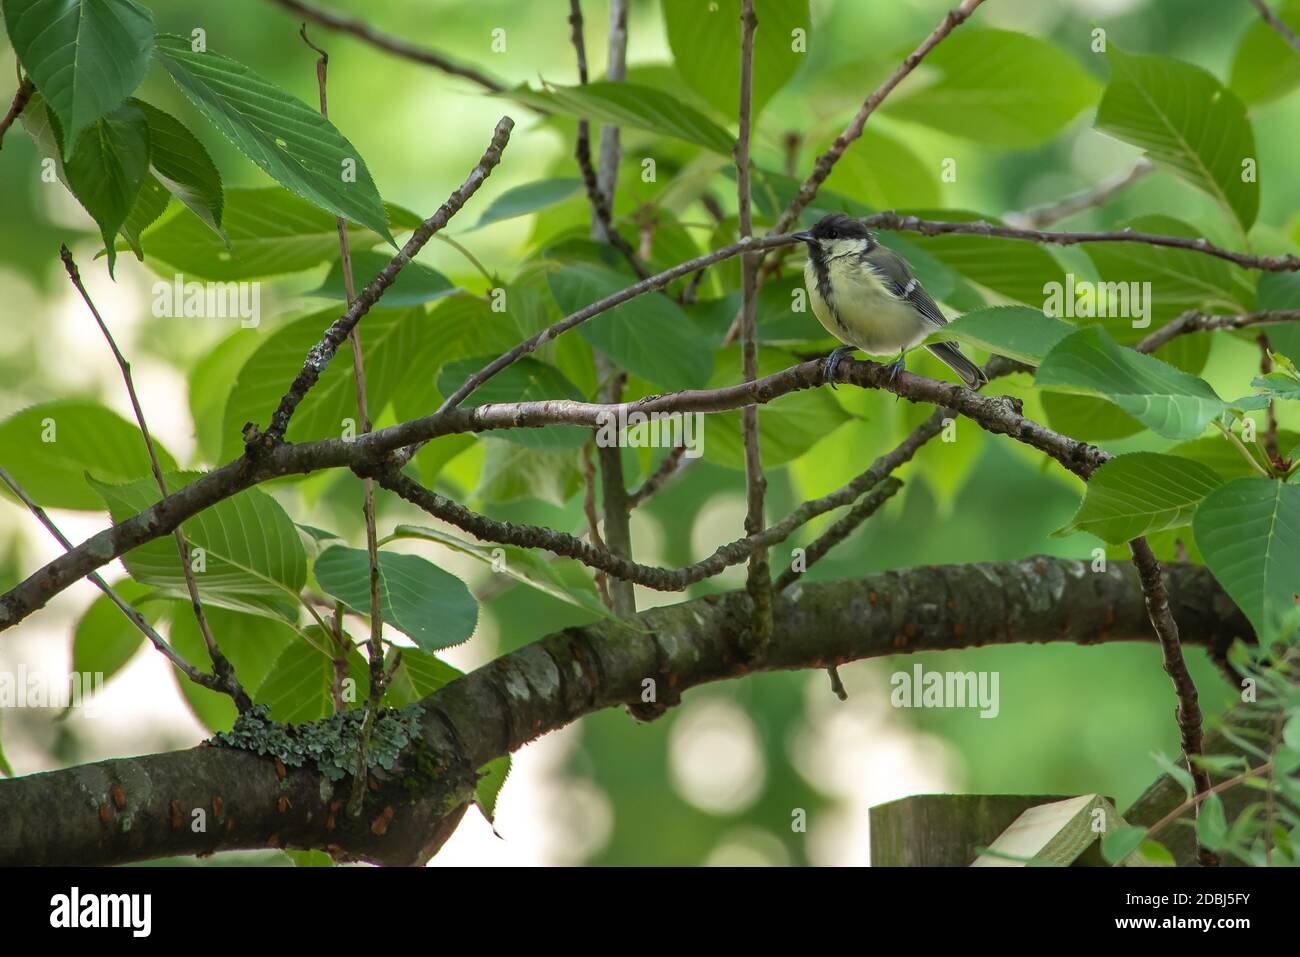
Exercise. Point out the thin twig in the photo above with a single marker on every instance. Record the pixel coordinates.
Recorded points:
(600, 204)
(759, 581)
(1188, 713)
(388, 43)
(133, 616)
(826, 162)
(593, 520)
(893, 221)
(1276, 23)
(221, 665)
(1195, 321)
(1195, 800)
(1042, 216)
(319, 356)
(867, 506)
(24, 94)
(669, 467)
(375, 646)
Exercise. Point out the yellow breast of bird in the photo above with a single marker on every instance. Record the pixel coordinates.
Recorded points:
(861, 310)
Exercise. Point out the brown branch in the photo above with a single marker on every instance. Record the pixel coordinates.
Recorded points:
(759, 580)
(23, 95)
(1274, 21)
(319, 356)
(72, 817)
(826, 162)
(1188, 713)
(388, 43)
(221, 666)
(1194, 321)
(653, 576)
(1099, 195)
(894, 222)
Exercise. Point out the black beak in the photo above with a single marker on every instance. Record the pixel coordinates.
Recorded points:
(805, 237)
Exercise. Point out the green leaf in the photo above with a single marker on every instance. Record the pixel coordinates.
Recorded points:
(270, 232)
(299, 686)
(182, 165)
(491, 778)
(431, 606)
(1017, 332)
(387, 338)
(512, 471)
(1212, 823)
(705, 42)
(787, 426)
(885, 173)
(631, 105)
(648, 336)
(85, 56)
(415, 285)
(418, 675)
(1180, 279)
(1176, 770)
(107, 168)
(287, 139)
(50, 448)
(150, 203)
(1164, 399)
(522, 565)
(210, 382)
(6, 769)
(309, 858)
(1156, 854)
(252, 645)
(981, 90)
(105, 639)
(1141, 493)
(1266, 67)
(1249, 533)
(1118, 844)
(526, 199)
(253, 559)
(1187, 122)
(526, 380)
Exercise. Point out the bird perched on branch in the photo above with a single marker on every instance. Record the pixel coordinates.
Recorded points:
(866, 296)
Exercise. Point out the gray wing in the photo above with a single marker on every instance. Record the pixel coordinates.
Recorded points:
(895, 274)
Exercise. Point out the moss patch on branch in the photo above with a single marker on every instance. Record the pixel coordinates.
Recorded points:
(330, 744)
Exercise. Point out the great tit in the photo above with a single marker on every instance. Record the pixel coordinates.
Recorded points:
(865, 295)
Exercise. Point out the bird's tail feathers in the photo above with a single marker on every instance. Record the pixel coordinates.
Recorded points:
(952, 357)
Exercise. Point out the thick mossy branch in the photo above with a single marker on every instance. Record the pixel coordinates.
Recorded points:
(152, 806)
